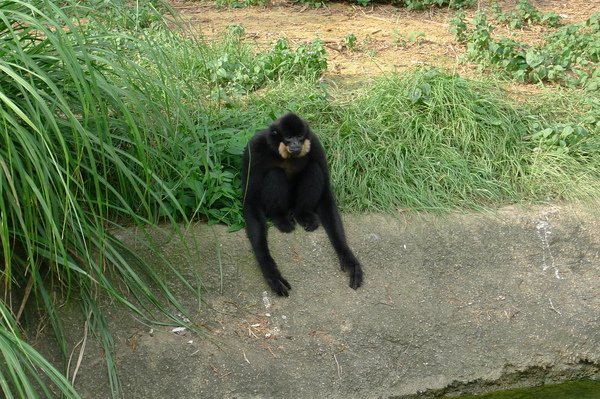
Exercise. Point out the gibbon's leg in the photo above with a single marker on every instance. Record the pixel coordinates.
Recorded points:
(307, 194)
(275, 198)
(332, 223)
(256, 229)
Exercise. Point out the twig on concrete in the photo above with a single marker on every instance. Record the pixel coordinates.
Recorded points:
(245, 358)
(269, 349)
(552, 307)
(339, 368)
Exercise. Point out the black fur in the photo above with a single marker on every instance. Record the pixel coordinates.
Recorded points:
(288, 186)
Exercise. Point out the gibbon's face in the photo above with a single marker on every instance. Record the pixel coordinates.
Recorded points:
(294, 147)
(289, 134)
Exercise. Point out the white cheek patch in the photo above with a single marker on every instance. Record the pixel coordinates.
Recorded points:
(305, 147)
(283, 151)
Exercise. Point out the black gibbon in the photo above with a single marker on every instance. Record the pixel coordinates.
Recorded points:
(285, 178)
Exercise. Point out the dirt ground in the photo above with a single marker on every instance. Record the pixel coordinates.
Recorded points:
(383, 32)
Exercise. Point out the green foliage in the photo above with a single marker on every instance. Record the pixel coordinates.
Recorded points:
(578, 137)
(410, 4)
(350, 41)
(459, 27)
(564, 136)
(312, 3)
(240, 3)
(231, 68)
(425, 141)
(413, 38)
(423, 4)
(236, 30)
(81, 129)
(524, 13)
(569, 56)
(119, 122)
(282, 62)
(416, 37)
(24, 364)
(430, 141)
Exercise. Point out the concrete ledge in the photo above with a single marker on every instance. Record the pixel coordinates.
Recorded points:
(466, 303)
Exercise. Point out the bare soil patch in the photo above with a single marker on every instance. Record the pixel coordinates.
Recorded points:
(383, 32)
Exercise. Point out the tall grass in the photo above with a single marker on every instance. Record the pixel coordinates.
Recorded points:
(83, 130)
(427, 141)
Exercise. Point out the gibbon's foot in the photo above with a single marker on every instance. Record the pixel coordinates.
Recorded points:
(285, 224)
(308, 220)
(279, 285)
(355, 271)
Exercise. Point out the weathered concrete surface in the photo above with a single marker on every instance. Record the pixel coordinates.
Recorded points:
(463, 303)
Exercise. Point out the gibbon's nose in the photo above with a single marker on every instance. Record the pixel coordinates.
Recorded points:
(295, 148)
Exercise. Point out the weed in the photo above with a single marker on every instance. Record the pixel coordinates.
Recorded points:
(459, 27)
(308, 60)
(109, 123)
(524, 13)
(240, 3)
(350, 41)
(416, 37)
(569, 56)
(400, 40)
(236, 30)
(410, 4)
(312, 3)
(423, 4)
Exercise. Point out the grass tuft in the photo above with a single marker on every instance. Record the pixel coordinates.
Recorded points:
(427, 141)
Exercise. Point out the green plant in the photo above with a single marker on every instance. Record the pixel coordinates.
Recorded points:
(312, 3)
(87, 114)
(240, 3)
(524, 13)
(398, 38)
(458, 27)
(350, 41)
(282, 62)
(416, 37)
(568, 56)
(422, 4)
(431, 141)
(413, 38)
(562, 136)
(412, 142)
(236, 30)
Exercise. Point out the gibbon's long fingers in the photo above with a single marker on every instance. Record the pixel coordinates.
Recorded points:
(356, 275)
(279, 285)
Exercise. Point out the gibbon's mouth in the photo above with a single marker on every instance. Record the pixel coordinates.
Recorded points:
(285, 152)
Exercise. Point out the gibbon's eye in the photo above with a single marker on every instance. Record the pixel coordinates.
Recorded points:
(274, 132)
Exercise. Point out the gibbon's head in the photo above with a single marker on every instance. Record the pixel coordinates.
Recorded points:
(289, 136)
